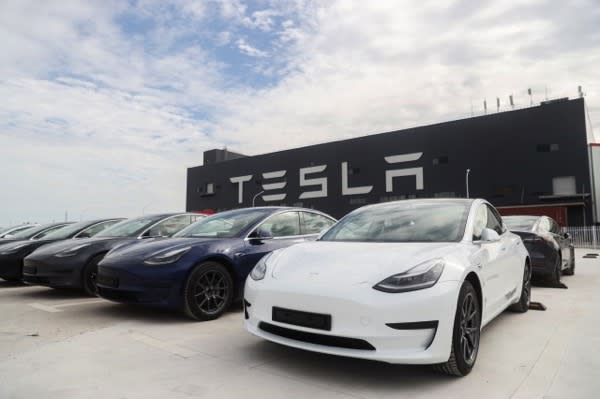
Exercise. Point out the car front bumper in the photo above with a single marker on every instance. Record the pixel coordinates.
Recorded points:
(10, 266)
(410, 328)
(52, 273)
(142, 284)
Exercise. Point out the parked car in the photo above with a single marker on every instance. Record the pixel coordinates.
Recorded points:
(551, 251)
(75, 264)
(8, 232)
(401, 282)
(202, 269)
(12, 254)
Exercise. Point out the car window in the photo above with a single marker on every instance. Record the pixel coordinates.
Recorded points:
(313, 223)
(494, 221)
(282, 225)
(47, 231)
(95, 229)
(170, 226)
(554, 227)
(544, 225)
(479, 222)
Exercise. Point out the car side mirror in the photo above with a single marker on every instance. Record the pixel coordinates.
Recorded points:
(567, 236)
(489, 235)
(260, 235)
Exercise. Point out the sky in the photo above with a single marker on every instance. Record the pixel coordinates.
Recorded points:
(106, 103)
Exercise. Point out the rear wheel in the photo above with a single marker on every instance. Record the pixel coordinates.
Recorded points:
(571, 269)
(554, 278)
(88, 276)
(465, 336)
(208, 291)
(523, 305)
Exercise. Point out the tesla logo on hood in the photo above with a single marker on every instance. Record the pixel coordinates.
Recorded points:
(276, 180)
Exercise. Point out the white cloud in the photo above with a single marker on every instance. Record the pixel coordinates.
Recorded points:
(249, 50)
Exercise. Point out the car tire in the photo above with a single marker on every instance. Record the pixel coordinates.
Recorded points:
(465, 334)
(523, 305)
(88, 275)
(208, 291)
(571, 269)
(554, 277)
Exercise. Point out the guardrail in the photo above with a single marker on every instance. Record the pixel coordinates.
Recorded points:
(584, 237)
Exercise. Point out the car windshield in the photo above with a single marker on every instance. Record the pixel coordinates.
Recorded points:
(520, 223)
(131, 227)
(410, 221)
(26, 234)
(67, 231)
(226, 224)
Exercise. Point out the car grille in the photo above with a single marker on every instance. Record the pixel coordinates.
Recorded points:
(107, 281)
(318, 339)
(304, 319)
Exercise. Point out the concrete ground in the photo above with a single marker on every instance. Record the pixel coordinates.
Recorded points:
(56, 344)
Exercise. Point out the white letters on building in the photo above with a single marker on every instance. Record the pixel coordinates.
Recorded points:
(352, 190)
(274, 186)
(240, 180)
(322, 181)
(390, 174)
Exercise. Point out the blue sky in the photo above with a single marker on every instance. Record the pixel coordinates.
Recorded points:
(105, 103)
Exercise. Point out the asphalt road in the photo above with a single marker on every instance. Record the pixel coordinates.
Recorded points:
(60, 344)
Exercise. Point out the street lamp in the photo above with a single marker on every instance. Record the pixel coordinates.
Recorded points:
(467, 181)
(254, 198)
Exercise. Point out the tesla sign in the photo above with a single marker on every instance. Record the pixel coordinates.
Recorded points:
(317, 186)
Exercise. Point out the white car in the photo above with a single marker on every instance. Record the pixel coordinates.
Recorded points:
(408, 282)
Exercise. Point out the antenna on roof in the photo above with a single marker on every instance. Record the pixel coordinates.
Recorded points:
(512, 103)
(530, 96)
(497, 104)
(484, 106)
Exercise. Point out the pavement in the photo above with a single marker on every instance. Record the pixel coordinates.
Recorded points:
(61, 344)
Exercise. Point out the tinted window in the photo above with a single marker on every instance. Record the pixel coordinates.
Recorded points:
(65, 232)
(493, 221)
(225, 224)
(130, 228)
(170, 226)
(95, 229)
(410, 221)
(520, 223)
(313, 223)
(282, 225)
(29, 233)
(47, 232)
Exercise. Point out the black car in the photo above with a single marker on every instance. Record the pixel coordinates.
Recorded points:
(13, 253)
(551, 251)
(12, 249)
(75, 264)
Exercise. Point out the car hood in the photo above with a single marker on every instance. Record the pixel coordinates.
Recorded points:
(352, 262)
(146, 248)
(56, 247)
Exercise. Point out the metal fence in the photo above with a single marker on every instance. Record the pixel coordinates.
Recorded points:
(584, 237)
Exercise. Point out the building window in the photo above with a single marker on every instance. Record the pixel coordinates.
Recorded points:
(547, 147)
(440, 160)
(564, 185)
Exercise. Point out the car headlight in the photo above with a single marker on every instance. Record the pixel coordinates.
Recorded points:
(166, 257)
(260, 270)
(13, 248)
(424, 275)
(71, 251)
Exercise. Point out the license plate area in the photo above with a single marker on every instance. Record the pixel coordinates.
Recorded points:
(317, 321)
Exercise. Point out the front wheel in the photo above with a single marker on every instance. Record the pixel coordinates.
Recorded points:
(208, 291)
(465, 335)
(523, 305)
(88, 276)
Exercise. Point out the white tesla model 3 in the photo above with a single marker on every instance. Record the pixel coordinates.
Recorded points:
(401, 282)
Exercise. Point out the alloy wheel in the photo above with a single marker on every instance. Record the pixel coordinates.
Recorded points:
(469, 328)
(211, 292)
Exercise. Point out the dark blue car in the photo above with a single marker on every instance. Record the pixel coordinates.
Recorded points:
(202, 269)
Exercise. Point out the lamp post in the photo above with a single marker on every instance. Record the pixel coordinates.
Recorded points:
(254, 198)
(467, 181)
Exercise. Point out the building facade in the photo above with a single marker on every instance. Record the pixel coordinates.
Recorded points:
(534, 160)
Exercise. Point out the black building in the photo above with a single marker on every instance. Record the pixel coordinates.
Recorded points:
(533, 160)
